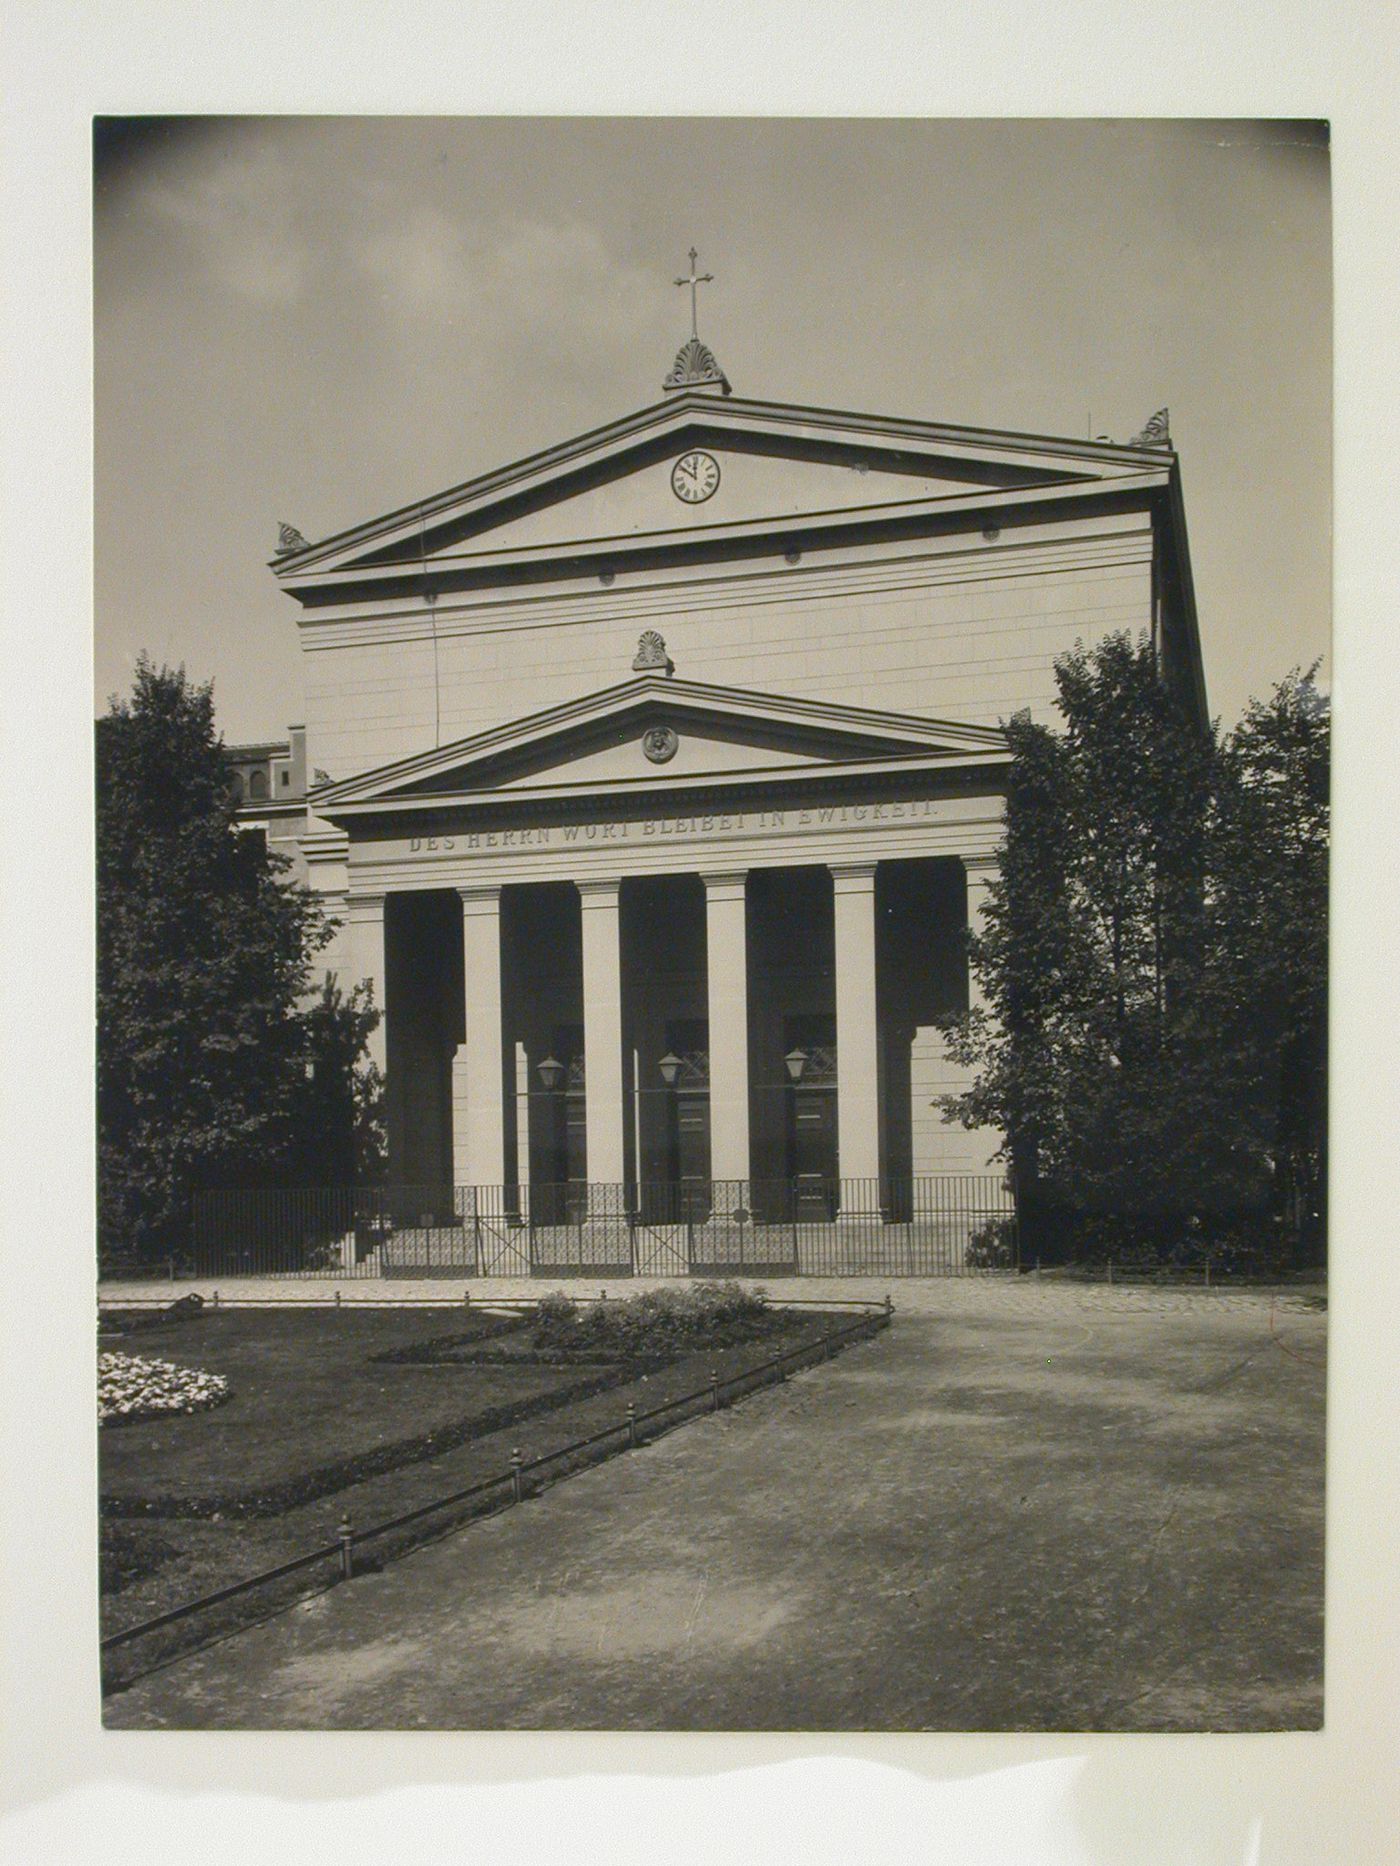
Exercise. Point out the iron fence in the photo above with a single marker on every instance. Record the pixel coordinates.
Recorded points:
(948, 1225)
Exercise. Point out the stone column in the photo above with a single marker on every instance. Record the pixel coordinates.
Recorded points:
(602, 1031)
(326, 852)
(364, 916)
(726, 971)
(521, 1087)
(478, 1069)
(857, 1037)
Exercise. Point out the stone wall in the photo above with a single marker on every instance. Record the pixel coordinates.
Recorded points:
(963, 629)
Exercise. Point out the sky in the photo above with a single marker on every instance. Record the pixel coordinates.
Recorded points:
(319, 320)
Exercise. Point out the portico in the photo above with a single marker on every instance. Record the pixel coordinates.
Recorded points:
(666, 989)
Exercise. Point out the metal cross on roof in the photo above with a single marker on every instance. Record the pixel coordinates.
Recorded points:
(700, 278)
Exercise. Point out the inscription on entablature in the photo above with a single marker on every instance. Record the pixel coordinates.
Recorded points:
(674, 828)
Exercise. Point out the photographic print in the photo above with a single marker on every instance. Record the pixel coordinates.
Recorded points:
(712, 746)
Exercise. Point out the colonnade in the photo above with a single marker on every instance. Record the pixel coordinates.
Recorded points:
(480, 1127)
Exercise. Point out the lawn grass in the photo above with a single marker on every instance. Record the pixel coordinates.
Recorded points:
(311, 1407)
(308, 1384)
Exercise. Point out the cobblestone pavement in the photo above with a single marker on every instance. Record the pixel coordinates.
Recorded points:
(1021, 1507)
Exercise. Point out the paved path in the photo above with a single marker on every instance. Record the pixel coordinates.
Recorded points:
(918, 1295)
(1016, 1509)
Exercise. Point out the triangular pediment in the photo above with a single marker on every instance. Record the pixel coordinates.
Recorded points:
(660, 732)
(754, 467)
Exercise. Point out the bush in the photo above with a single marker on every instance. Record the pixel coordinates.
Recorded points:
(993, 1246)
(556, 1311)
(659, 1321)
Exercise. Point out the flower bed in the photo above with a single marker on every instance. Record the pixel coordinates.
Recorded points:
(131, 1386)
(636, 1333)
(659, 1321)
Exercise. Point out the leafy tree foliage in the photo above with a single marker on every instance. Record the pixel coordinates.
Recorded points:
(340, 1134)
(1269, 931)
(204, 960)
(1152, 962)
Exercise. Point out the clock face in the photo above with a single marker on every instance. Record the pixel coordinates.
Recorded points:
(695, 477)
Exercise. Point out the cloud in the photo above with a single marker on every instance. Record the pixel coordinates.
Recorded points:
(524, 287)
(421, 265)
(241, 217)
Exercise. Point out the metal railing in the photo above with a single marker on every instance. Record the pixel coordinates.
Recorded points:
(948, 1225)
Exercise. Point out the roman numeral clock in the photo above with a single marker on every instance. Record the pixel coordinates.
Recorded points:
(695, 477)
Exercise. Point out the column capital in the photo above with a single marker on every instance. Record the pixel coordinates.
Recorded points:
(365, 907)
(724, 884)
(981, 868)
(853, 877)
(482, 898)
(599, 891)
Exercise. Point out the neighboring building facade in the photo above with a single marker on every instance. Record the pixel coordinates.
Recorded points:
(270, 784)
(675, 776)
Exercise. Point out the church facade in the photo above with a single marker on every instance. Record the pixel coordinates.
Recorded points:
(667, 772)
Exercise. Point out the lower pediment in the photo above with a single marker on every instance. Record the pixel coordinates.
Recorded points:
(657, 732)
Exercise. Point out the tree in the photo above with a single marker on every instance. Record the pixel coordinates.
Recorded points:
(340, 1136)
(204, 960)
(1097, 1054)
(1269, 862)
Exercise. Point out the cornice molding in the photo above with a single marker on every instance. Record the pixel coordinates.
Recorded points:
(856, 735)
(1027, 458)
(1101, 542)
(691, 547)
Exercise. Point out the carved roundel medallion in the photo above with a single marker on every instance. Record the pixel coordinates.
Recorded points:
(660, 744)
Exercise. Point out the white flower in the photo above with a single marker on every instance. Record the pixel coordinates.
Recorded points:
(129, 1386)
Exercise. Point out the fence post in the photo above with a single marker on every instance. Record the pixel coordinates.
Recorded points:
(631, 1424)
(345, 1535)
(337, 1299)
(714, 1390)
(216, 1298)
(517, 1489)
